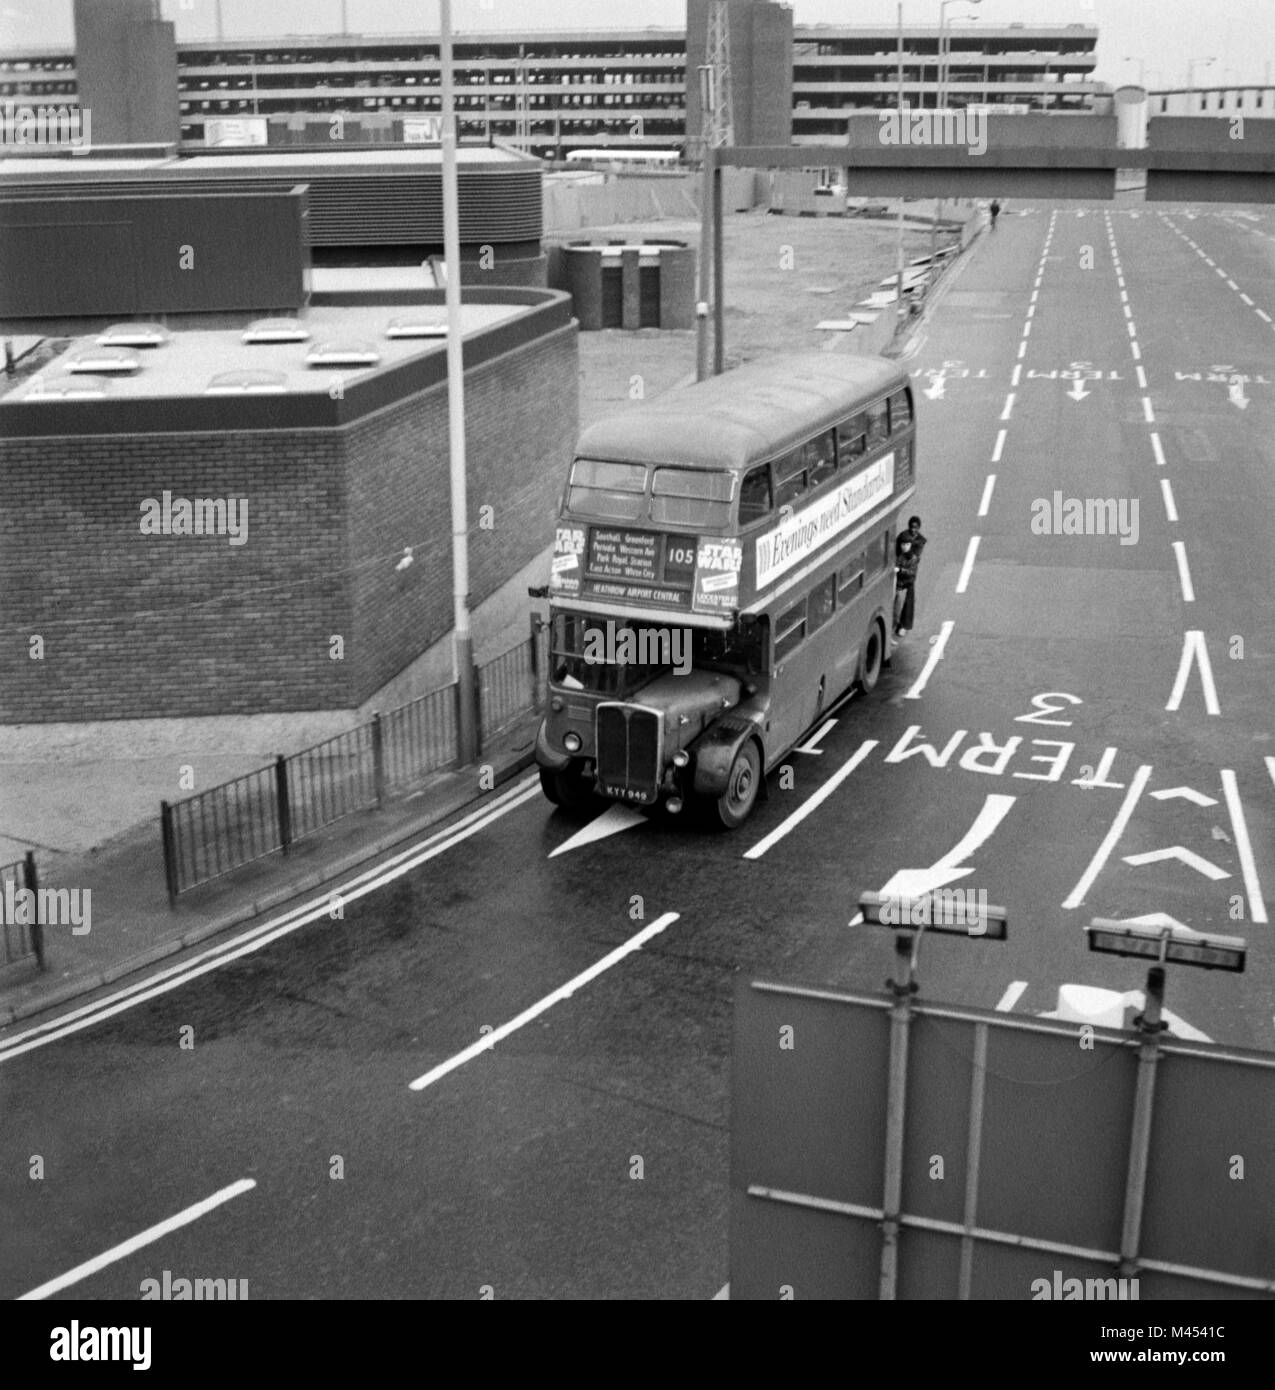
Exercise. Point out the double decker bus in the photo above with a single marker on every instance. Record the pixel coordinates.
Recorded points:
(723, 572)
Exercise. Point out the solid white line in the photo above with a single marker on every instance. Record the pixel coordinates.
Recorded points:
(935, 656)
(987, 494)
(812, 802)
(1111, 839)
(1168, 499)
(1184, 572)
(1142, 376)
(1193, 645)
(1248, 865)
(1270, 766)
(146, 1237)
(1009, 403)
(1017, 376)
(1146, 410)
(998, 446)
(489, 1040)
(1011, 996)
(1156, 449)
(971, 550)
(263, 935)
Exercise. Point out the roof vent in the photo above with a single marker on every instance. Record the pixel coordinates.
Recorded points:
(105, 360)
(68, 388)
(416, 328)
(247, 384)
(148, 335)
(345, 352)
(276, 331)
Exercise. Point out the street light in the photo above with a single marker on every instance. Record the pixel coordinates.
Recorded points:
(941, 95)
(1190, 70)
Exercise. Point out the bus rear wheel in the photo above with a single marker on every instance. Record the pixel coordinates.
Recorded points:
(872, 658)
(742, 785)
(569, 788)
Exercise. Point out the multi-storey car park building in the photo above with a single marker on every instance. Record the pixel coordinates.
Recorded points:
(549, 93)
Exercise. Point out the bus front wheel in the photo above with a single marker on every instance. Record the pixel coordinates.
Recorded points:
(873, 656)
(569, 788)
(742, 786)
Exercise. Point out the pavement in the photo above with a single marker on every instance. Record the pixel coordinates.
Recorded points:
(73, 789)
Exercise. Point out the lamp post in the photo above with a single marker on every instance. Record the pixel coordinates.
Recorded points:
(462, 639)
(1190, 70)
(941, 97)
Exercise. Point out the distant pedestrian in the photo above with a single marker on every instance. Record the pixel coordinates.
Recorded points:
(907, 559)
(995, 211)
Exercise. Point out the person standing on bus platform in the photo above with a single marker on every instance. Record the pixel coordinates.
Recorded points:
(907, 555)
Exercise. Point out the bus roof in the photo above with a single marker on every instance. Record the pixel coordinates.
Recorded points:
(745, 415)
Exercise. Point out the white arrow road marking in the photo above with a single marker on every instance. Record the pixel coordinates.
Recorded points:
(1011, 996)
(912, 883)
(931, 661)
(614, 819)
(1111, 839)
(143, 1238)
(489, 1040)
(1187, 794)
(1193, 648)
(812, 802)
(810, 745)
(1077, 392)
(1187, 856)
(1236, 393)
(1106, 1008)
(935, 390)
(1248, 865)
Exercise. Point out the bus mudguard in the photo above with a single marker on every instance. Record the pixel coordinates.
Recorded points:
(547, 757)
(715, 752)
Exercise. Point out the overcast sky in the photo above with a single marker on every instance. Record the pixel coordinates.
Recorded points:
(1163, 34)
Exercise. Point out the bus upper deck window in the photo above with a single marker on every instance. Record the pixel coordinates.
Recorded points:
(611, 490)
(691, 497)
(790, 477)
(821, 458)
(754, 495)
(852, 439)
(878, 424)
(900, 411)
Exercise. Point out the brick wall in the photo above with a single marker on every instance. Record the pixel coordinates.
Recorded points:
(521, 421)
(138, 626)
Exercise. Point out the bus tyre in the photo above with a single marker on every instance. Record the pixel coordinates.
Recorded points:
(871, 661)
(742, 786)
(569, 788)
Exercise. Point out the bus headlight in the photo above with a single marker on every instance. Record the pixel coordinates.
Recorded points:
(571, 742)
(681, 758)
(555, 704)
